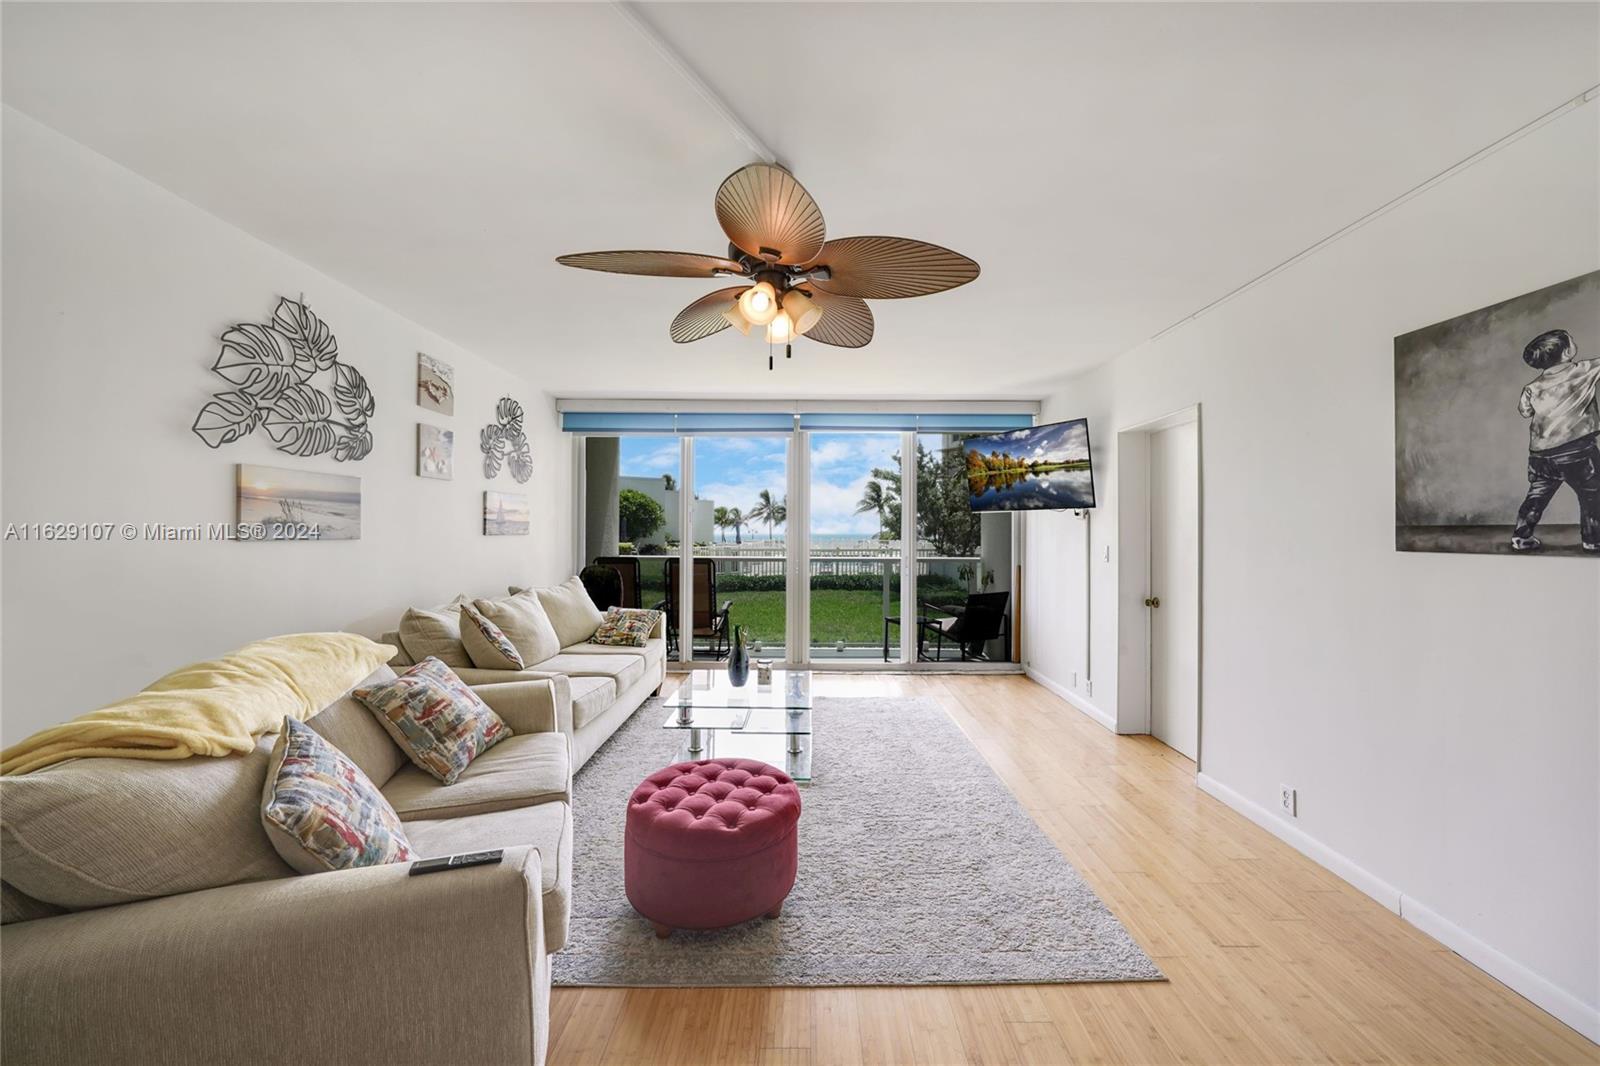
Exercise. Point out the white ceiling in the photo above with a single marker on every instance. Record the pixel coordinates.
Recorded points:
(1112, 167)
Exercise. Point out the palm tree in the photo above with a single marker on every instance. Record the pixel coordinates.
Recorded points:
(736, 519)
(772, 512)
(668, 482)
(719, 518)
(873, 501)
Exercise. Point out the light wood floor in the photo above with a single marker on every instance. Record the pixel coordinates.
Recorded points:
(1271, 959)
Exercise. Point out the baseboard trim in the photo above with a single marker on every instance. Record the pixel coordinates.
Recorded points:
(1071, 697)
(1559, 1003)
(1542, 993)
(1304, 843)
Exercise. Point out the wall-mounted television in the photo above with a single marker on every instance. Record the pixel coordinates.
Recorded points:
(1043, 468)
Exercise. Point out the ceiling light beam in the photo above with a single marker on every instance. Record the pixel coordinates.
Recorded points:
(630, 14)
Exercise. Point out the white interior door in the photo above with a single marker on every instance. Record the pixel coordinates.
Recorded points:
(1175, 587)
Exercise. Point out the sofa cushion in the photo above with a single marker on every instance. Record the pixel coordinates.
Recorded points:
(17, 906)
(653, 652)
(93, 832)
(434, 633)
(623, 669)
(545, 826)
(591, 697)
(626, 627)
(433, 715)
(519, 772)
(571, 611)
(523, 620)
(487, 645)
(321, 812)
(402, 658)
(348, 725)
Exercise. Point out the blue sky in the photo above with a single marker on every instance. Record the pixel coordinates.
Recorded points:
(1057, 442)
(732, 471)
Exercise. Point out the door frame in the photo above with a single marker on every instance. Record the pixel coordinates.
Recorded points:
(1134, 670)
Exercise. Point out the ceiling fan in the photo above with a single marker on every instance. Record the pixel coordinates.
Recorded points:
(795, 283)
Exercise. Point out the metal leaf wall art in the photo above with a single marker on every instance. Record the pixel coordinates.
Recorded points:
(271, 367)
(504, 443)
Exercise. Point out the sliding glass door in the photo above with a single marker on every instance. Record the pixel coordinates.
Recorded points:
(963, 561)
(854, 552)
(631, 512)
(739, 550)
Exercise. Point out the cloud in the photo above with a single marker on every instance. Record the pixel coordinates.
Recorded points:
(648, 457)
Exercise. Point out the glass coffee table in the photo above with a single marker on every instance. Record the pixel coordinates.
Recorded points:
(770, 722)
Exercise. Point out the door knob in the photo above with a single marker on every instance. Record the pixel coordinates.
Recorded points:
(1153, 601)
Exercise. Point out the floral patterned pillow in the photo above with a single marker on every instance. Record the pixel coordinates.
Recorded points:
(626, 627)
(487, 644)
(435, 718)
(321, 812)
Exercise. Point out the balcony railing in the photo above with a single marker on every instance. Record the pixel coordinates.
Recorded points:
(853, 592)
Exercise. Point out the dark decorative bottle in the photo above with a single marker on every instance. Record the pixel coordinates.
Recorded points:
(739, 658)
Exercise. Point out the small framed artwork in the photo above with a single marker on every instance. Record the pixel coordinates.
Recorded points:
(435, 452)
(436, 385)
(279, 504)
(505, 514)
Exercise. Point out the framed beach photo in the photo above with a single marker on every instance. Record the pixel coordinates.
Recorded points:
(299, 504)
(436, 385)
(505, 514)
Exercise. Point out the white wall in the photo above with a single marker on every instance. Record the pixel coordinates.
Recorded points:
(1439, 714)
(115, 294)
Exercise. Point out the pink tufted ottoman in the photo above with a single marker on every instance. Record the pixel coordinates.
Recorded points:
(711, 844)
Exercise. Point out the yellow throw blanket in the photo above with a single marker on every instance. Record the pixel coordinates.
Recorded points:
(212, 708)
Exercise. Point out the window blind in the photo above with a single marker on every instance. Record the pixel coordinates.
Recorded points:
(682, 424)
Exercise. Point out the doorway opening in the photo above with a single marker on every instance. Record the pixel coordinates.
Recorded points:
(1159, 539)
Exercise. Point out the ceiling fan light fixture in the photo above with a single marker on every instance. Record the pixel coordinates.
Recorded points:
(801, 309)
(781, 329)
(759, 303)
(777, 243)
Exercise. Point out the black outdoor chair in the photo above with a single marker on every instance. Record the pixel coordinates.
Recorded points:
(970, 626)
(627, 568)
(709, 616)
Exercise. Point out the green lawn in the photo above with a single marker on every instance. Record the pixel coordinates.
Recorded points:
(852, 615)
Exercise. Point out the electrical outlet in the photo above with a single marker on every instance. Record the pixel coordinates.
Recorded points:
(1108, 553)
(1287, 800)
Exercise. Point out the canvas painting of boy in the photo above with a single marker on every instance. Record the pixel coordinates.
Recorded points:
(1487, 459)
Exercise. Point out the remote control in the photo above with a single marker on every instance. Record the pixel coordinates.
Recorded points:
(456, 862)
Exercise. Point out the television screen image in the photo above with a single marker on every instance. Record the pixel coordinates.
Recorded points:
(1043, 468)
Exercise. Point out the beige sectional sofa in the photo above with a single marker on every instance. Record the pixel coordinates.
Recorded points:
(601, 685)
(148, 918)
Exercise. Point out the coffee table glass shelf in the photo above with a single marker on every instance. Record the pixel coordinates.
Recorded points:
(770, 722)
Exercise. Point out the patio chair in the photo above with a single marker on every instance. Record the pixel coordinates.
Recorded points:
(709, 615)
(627, 568)
(970, 626)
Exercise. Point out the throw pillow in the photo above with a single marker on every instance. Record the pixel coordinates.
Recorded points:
(432, 714)
(524, 622)
(434, 632)
(571, 611)
(321, 812)
(488, 646)
(626, 627)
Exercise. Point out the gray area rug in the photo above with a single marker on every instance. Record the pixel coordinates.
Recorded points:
(917, 866)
